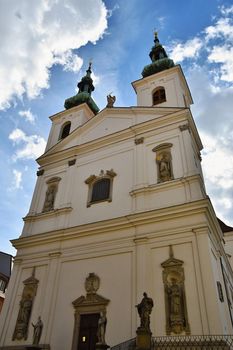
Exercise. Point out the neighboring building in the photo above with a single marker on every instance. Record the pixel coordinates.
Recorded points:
(5, 272)
(120, 208)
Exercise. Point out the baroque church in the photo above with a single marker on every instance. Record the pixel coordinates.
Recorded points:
(120, 218)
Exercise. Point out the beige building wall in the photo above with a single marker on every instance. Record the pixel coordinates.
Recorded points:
(124, 241)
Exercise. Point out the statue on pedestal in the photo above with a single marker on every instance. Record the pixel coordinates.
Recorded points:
(144, 311)
(37, 331)
(111, 100)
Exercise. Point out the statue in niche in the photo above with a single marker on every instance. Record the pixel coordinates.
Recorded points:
(37, 331)
(49, 198)
(144, 311)
(21, 328)
(25, 307)
(164, 167)
(175, 297)
(175, 301)
(102, 323)
(111, 100)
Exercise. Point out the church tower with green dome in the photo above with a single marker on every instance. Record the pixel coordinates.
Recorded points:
(86, 87)
(159, 58)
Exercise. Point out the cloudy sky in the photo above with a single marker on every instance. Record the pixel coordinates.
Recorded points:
(45, 48)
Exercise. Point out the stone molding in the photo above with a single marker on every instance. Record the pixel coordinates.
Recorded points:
(54, 212)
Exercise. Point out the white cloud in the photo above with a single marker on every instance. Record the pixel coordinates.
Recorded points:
(212, 111)
(190, 49)
(224, 56)
(16, 181)
(70, 61)
(28, 115)
(226, 10)
(35, 35)
(222, 28)
(29, 147)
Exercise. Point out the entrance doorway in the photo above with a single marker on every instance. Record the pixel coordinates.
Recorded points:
(88, 331)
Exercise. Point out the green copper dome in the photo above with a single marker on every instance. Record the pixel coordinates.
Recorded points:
(159, 58)
(84, 94)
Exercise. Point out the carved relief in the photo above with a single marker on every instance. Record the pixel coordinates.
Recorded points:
(164, 162)
(51, 194)
(91, 303)
(175, 301)
(26, 303)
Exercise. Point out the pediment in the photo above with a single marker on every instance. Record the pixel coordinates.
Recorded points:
(172, 262)
(109, 121)
(90, 299)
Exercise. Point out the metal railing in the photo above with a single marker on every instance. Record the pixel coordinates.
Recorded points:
(186, 342)
(193, 342)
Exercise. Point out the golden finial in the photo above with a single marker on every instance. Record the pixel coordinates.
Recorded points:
(155, 33)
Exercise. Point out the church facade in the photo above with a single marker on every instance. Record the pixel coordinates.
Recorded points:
(120, 209)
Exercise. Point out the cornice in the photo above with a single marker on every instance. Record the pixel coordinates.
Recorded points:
(44, 215)
(120, 223)
(72, 110)
(158, 187)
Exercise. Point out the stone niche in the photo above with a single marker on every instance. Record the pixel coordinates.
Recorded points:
(25, 308)
(174, 292)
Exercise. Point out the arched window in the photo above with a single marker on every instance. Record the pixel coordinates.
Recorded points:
(65, 130)
(100, 187)
(159, 95)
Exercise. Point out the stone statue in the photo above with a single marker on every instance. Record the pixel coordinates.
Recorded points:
(164, 167)
(176, 302)
(49, 198)
(102, 328)
(26, 306)
(175, 295)
(144, 311)
(111, 100)
(21, 328)
(37, 331)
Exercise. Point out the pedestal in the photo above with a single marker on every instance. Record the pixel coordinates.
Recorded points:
(100, 346)
(143, 339)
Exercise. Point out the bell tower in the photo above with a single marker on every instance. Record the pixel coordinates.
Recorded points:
(163, 83)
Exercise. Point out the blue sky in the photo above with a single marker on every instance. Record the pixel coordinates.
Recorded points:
(45, 49)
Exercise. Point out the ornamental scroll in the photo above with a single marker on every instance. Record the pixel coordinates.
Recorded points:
(175, 300)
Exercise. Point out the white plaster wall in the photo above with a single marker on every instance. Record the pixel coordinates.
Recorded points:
(136, 168)
(77, 117)
(116, 285)
(171, 82)
(128, 263)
